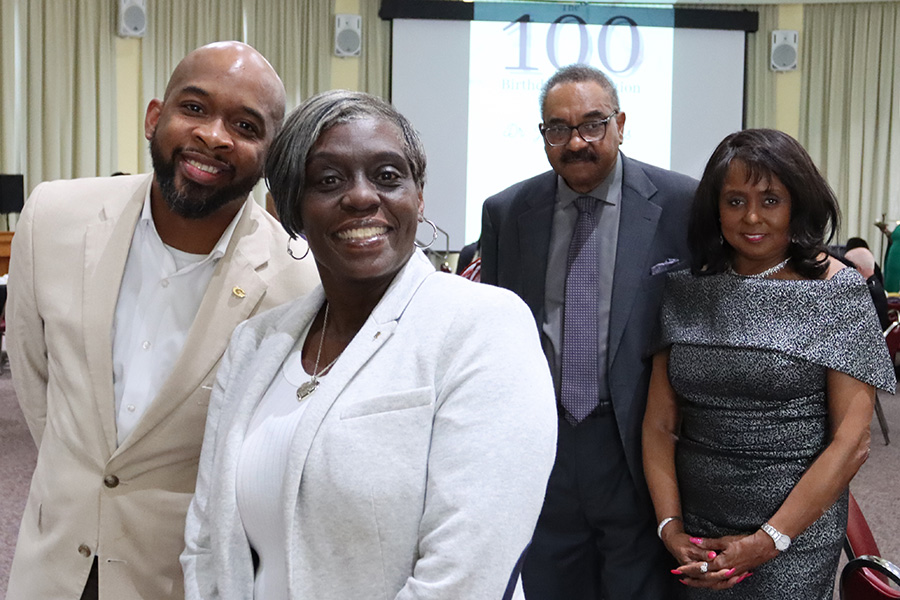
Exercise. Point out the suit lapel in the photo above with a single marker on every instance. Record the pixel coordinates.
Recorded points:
(637, 227)
(535, 225)
(231, 296)
(106, 246)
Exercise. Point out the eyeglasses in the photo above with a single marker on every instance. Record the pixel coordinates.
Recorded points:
(590, 131)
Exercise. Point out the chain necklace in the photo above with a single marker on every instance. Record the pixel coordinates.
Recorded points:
(764, 274)
(308, 387)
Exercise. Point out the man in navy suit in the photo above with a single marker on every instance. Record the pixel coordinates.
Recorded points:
(596, 537)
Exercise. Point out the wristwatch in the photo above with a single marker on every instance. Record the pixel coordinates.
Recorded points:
(782, 542)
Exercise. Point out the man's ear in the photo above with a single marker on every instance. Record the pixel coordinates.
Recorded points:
(620, 121)
(151, 118)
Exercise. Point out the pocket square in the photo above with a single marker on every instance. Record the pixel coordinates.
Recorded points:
(665, 266)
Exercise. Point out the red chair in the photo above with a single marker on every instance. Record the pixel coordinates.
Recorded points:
(867, 576)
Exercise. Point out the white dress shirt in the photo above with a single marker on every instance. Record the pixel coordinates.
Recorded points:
(159, 297)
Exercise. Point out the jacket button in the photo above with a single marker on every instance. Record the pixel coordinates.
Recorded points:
(110, 481)
(84, 550)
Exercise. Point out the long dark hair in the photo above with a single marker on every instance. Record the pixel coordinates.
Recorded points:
(765, 153)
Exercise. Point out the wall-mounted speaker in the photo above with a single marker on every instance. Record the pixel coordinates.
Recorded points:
(347, 35)
(784, 50)
(132, 18)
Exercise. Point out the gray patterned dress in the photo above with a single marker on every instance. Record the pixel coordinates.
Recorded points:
(748, 362)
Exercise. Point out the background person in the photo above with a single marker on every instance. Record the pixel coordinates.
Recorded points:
(858, 242)
(759, 407)
(891, 257)
(123, 294)
(596, 312)
(391, 434)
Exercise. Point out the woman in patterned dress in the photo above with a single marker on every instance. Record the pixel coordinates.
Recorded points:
(761, 397)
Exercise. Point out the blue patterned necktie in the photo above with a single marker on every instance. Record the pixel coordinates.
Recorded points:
(579, 389)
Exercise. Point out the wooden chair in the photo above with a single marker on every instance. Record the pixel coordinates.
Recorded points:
(867, 576)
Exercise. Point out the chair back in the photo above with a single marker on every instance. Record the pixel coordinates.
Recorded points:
(867, 576)
(860, 579)
(892, 333)
(859, 537)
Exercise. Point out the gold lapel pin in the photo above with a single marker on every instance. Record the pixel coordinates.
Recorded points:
(237, 291)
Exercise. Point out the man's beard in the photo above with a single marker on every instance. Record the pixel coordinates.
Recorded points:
(195, 201)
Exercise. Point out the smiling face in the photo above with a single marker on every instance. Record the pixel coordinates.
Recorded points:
(361, 205)
(756, 219)
(583, 165)
(209, 135)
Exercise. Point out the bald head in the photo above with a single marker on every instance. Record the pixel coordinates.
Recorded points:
(234, 60)
(863, 259)
(210, 133)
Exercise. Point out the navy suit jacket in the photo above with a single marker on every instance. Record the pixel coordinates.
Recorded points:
(515, 242)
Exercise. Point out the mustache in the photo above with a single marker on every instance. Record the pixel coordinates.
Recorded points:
(583, 155)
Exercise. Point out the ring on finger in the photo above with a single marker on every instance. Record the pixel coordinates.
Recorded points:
(704, 567)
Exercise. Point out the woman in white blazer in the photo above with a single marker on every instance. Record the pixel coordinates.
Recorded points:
(389, 435)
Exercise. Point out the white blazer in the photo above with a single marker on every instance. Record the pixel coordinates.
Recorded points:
(419, 467)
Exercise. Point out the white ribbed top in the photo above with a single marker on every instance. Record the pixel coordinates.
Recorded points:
(261, 471)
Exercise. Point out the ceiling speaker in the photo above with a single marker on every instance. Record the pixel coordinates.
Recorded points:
(347, 35)
(784, 50)
(132, 18)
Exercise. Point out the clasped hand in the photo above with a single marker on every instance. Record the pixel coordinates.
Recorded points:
(729, 560)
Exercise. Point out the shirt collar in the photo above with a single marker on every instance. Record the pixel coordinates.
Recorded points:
(218, 250)
(566, 195)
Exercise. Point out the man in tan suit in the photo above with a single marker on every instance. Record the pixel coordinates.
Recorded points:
(123, 295)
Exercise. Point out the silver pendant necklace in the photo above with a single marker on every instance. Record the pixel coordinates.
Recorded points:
(764, 274)
(308, 387)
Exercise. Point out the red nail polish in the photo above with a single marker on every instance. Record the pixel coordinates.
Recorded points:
(729, 572)
(711, 555)
(696, 540)
(682, 581)
(675, 572)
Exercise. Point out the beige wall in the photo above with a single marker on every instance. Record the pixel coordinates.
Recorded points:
(345, 74)
(787, 83)
(130, 117)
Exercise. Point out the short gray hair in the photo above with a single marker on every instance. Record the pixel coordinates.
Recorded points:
(287, 157)
(578, 73)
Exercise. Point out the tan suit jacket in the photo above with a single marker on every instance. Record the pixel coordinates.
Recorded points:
(88, 497)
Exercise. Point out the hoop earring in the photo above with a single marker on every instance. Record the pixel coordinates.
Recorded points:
(291, 252)
(433, 235)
